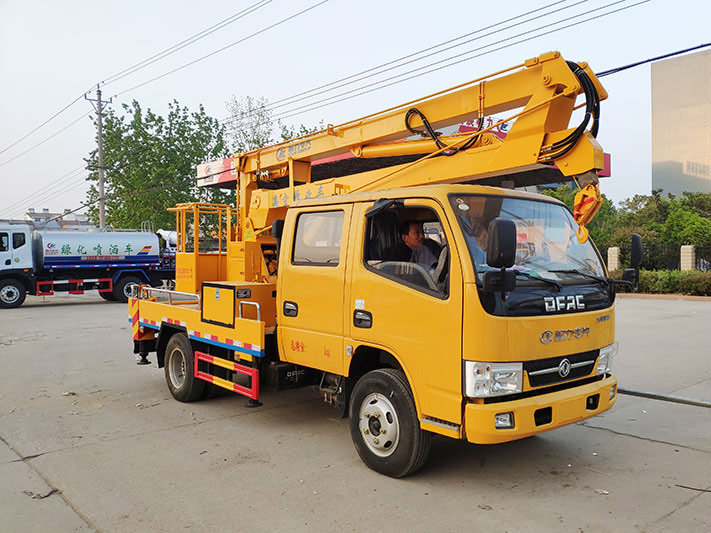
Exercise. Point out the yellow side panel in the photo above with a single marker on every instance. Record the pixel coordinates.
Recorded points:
(218, 304)
(185, 280)
(246, 338)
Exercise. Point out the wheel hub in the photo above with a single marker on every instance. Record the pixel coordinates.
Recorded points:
(379, 425)
(9, 294)
(177, 369)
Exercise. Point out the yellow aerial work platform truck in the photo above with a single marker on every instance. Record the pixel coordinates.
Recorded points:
(410, 279)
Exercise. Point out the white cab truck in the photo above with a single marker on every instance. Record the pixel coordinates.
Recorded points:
(43, 262)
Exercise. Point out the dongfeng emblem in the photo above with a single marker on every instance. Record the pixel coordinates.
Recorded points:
(564, 368)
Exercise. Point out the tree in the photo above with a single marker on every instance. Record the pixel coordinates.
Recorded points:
(602, 227)
(252, 126)
(150, 163)
(684, 226)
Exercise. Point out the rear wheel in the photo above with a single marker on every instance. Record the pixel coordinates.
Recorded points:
(12, 293)
(384, 424)
(122, 289)
(179, 370)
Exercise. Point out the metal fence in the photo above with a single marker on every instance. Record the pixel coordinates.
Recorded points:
(655, 257)
(703, 258)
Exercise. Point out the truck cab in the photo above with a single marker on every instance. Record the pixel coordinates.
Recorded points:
(15, 261)
(484, 365)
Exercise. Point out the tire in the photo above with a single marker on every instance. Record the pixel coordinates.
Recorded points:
(179, 373)
(12, 293)
(382, 404)
(108, 296)
(122, 289)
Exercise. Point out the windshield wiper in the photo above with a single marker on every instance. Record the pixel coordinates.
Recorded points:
(584, 274)
(538, 278)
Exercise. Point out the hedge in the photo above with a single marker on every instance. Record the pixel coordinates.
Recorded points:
(689, 282)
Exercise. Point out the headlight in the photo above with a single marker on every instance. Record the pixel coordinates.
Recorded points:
(482, 380)
(604, 361)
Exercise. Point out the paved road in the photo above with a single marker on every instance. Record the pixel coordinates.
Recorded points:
(91, 442)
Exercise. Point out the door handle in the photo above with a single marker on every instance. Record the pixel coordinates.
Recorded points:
(290, 308)
(362, 319)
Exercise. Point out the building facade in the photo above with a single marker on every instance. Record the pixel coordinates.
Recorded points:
(681, 124)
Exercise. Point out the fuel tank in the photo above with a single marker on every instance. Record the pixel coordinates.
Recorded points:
(77, 249)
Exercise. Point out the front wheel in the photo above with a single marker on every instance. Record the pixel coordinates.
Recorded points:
(179, 370)
(384, 424)
(12, 293)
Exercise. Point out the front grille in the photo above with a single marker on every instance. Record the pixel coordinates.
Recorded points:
(545, 371)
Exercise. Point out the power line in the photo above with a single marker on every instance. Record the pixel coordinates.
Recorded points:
(54, 184)
(339, 83)
(190, 40)
(77, 182)
(290, 112)
(45, 140)
(142, 64)
(371, 87)
(70, 104)
(651, 59)
(223, 48)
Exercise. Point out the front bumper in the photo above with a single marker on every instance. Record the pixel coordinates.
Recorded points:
(538, 413)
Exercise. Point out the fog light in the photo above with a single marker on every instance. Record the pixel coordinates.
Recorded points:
(504, 421)
(612, 392)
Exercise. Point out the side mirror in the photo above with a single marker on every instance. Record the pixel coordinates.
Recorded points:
(630, 276)
(636, 251)
(501, 244)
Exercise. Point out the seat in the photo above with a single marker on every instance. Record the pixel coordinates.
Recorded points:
(383, 235)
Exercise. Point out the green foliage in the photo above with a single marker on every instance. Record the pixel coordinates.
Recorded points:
(658, 219)
(684, 226)
(670, 282)
(150, 164)
(602, 228)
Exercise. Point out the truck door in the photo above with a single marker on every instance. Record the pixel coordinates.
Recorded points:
(312, 272)
(21, 248)
(5, 250)
(407, 309)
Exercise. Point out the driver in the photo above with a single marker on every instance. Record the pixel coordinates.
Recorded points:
(413, 237)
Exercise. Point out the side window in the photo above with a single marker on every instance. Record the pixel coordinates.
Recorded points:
(408, 245)
(4, 242)
(18, 240)
(318, 238)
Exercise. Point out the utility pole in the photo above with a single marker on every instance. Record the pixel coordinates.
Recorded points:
(98, 108)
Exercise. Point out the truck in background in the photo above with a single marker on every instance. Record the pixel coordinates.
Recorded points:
(43, 262)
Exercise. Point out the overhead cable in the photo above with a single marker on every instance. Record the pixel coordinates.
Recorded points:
(259, 32)
(651, 59)
(393, 80)
(390, 64)
(46, 139)
(187, 42)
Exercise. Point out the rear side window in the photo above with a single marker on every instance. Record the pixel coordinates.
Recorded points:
(4, 242)
(18, 240)
(318, 238)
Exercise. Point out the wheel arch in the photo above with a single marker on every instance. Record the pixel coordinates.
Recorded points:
(367, 358)
(21, 277)
(165, 332)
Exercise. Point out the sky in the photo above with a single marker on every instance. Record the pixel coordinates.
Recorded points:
(51, 53)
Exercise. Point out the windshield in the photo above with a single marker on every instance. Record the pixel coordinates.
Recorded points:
(546, 245)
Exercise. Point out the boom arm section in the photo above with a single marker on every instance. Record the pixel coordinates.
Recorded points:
(539, 94)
